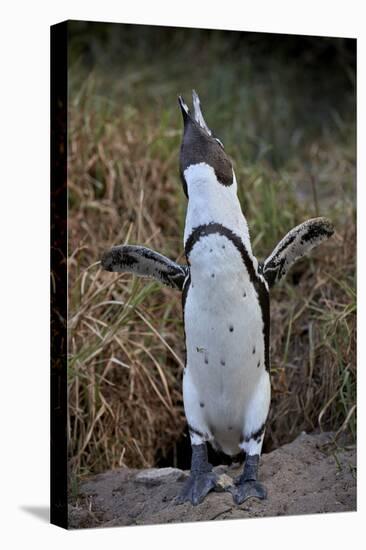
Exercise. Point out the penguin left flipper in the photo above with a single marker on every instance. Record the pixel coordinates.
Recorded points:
(144, 262)
(298, 242)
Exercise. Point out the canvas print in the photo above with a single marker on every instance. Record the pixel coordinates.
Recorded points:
(203, 274)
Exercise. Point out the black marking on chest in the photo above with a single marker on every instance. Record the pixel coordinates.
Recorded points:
(186, 285)
(259, 285)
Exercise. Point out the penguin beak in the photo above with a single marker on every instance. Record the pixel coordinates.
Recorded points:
(197, 117)
(200, 145)
(185, 111)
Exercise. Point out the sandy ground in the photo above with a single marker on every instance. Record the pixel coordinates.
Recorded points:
(310, 475)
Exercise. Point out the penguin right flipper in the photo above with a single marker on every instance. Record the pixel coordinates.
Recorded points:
(144, 262)
(299, 241)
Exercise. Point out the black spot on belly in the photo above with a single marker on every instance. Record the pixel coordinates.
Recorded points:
(258, 364)
(231, 328)
(223, 246)
(212, 275)
(222, 362)
(230, 428)
(202, 405)
(253, 350)
(244, 294)
(210, 249)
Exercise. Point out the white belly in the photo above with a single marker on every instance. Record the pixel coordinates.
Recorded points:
(224, 339)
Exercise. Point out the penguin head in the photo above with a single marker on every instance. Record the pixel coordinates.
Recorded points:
(202, 155)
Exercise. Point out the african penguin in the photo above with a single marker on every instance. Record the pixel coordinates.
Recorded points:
(225, 298)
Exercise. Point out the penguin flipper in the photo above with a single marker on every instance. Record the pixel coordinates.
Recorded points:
(144, 262)
(298, 242)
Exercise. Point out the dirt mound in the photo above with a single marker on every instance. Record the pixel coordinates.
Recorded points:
(310, 475)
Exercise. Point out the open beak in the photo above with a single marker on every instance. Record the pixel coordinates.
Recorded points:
(197, 113)
(198, 116)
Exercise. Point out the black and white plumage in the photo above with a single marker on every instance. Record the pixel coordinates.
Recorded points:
(225, 296)
(298, 242)
(146, 263)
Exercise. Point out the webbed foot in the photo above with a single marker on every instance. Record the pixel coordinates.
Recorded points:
(246, 489)
(196, 487)
(201, 480)
(246, 485)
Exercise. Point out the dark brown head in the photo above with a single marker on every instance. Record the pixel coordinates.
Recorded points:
(201, 147)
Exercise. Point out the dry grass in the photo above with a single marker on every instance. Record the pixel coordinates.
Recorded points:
(125, 334)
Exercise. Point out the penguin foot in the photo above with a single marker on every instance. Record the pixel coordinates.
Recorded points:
(196, 487)
(246, 489)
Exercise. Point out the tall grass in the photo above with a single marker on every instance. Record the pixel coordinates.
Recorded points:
(125, 334)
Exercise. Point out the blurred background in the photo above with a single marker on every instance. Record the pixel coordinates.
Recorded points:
(285, 108)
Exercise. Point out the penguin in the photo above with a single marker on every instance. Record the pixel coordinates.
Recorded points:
(226, 309)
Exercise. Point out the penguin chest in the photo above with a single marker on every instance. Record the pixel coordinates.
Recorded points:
(224, 332)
